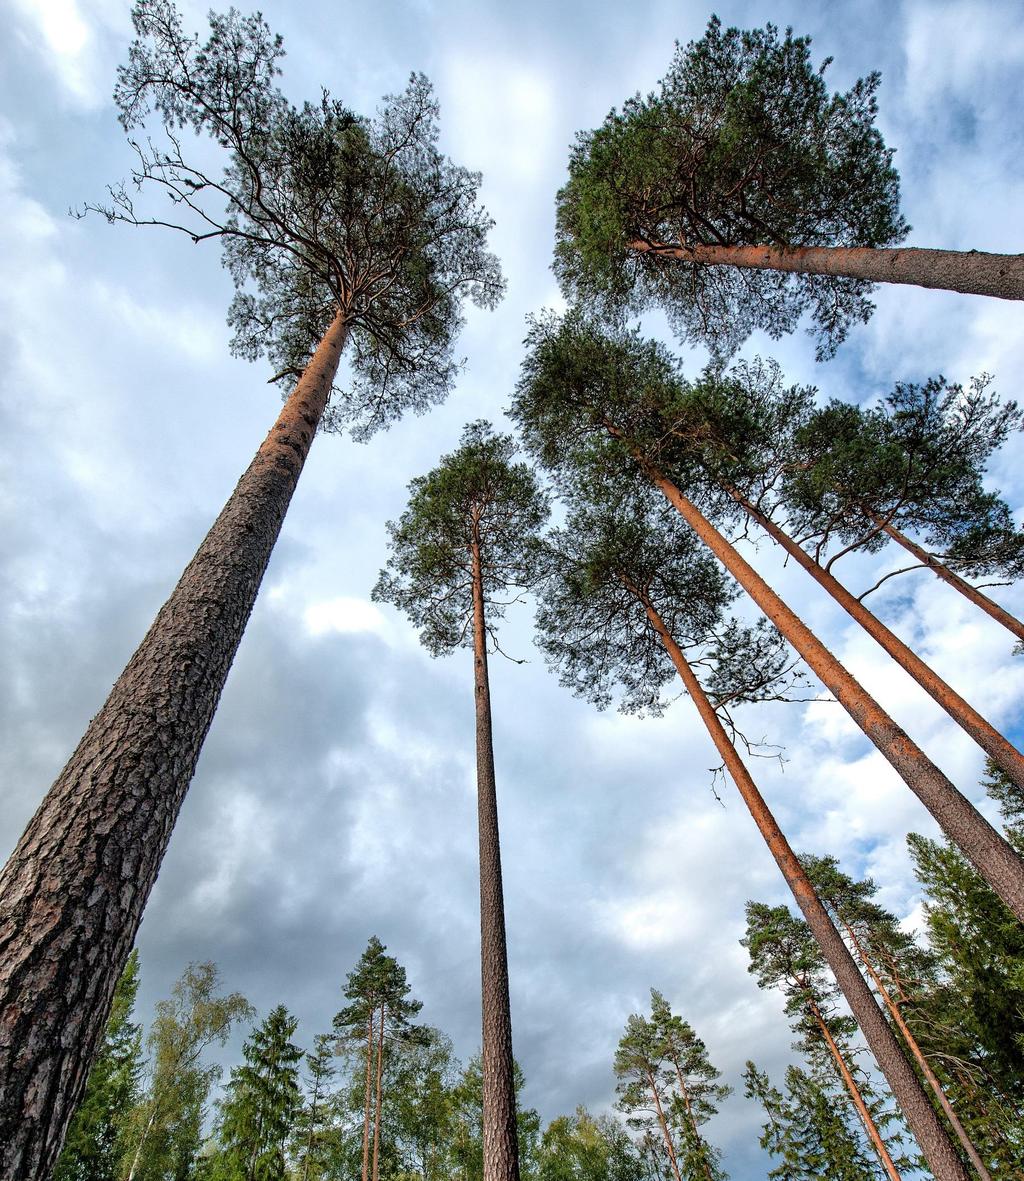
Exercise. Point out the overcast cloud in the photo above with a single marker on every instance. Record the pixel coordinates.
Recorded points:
(335, 796)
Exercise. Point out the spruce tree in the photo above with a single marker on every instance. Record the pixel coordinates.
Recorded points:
(742, 194)
(342, 233)
(311, 1132)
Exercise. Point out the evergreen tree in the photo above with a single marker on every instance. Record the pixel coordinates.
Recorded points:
(743, 194)
(263, 1097)
(644, 1089)
(312, 1129)
(341, 233)
(468, 541)
(589, 401)
(95, 1140)
(162, 1133)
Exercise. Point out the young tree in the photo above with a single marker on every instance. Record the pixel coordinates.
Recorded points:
(163, 1131)
(644, 1086)
(582, 402)
(95, 1141)
(915, 463)
(381, 1005)
(783, 955)
(468, 541)
(263, 1098)
(632, 597)
(341, 232)
(743, 194)
(313, 1119)
(581, 1147)
(468, 1161)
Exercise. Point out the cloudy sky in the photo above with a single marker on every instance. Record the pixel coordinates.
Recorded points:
(335, 796)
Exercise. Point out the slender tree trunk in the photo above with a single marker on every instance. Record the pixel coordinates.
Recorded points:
(73, 891)
(1010, 622)
(138, 1148)
(992, 855)
(971, 272)
(369, 1094)
(858, 1098)
(904, 1083)
(666, 1134)
(698, 1139)
(1001, 752)
(930, 1076)
(501, 1146)
(379, 1104)
(312, 1128)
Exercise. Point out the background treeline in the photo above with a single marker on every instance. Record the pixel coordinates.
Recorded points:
(382, 1095)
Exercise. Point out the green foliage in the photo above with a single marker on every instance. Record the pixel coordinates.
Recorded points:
(94, 1143)
(467, 1157)
(317, 209)
(917, 460)
(162, 1132)
(262, 1100)
(581, 1147)
(479, 497)
(741, 145)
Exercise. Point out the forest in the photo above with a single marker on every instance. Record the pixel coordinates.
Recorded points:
(664, 496)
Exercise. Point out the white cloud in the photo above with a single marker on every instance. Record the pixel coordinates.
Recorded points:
(345, 615)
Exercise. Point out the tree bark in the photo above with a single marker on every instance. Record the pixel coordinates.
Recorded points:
(1001, 752)
(500, 1141)
(858, 1099)
(992, 855)
(666, 1134)
(368, 1096)
(971, 272)
(904, 1083)
(73, 891)
(379, 1103)
(698, 1139)
(940, 570)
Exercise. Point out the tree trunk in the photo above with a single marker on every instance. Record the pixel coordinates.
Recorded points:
(698, 1139)
(858, 1098)
(971, 272)
(73, 891)
(1001, 752)
(1010, 622)
(904, 1083)
(988, 851)
(369, 1093)
(666, 1134)
(500, 1142)
(930, 1077)
(379, 1103)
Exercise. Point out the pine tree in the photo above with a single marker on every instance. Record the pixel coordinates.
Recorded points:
(743, 194)
(466, 543)
(94, 1143)
(342, 233)
(644, 1087)
(312, 1127)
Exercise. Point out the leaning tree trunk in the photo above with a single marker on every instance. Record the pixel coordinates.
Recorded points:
(904, 1083)
(1002, 753)
(940, 570)
(971, 272)
(73, 891)
(666, 1135)
(500, 1143)
(992, 855)
(858, 1099)
(919, 1057)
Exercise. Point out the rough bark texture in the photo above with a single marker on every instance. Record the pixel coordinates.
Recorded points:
(971, 272)
(1010, 622)
(857, 1097)
(73, 891)
(904, 1083)
(911, 1042)
(987, 850)
(1001, 752)
(501, 1146)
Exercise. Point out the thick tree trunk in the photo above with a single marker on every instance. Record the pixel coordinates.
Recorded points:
(1001, 752)
(971, 272)
(73, 891)
(379, 1103)
(368, 1097)
(501, 1145)
(1010, 622)
(665, 1133)
(930, 1077)
(858, 1099)
(904, 1083)
(987, 850)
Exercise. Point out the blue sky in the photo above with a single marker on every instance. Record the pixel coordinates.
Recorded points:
(334, 799)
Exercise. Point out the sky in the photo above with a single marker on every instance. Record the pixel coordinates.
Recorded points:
(335, 796)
